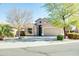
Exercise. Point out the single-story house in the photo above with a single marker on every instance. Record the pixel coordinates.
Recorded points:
(41, 27)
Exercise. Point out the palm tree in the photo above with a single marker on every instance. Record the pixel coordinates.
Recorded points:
(5, 31)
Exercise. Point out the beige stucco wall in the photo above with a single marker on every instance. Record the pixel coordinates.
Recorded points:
(48, 29)
(25, 28)
(14, 31)
(30, 25)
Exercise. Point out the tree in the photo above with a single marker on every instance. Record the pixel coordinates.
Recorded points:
(19, 17)
(5, 30)
(60, 12)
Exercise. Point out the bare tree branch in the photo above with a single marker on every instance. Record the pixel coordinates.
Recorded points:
(19, 17)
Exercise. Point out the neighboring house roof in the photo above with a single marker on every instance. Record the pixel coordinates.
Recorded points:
(24, 26)
(43, 20)
(36, 22)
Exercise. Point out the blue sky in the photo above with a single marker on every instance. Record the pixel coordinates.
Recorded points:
(37, 10)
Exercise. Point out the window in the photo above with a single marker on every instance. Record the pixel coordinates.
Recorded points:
(22, 33)
(30, 30)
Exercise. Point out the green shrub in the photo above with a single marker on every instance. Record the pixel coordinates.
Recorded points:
(60, 37)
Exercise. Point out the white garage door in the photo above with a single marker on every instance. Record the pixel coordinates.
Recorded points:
(52, 31)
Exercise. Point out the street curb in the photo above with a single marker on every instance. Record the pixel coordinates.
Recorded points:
(5, 45)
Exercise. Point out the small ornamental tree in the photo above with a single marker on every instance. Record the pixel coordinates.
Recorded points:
(60, 12)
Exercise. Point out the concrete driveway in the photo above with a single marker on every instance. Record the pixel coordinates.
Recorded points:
(69, 49)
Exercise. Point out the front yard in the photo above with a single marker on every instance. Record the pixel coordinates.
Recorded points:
(40, 48)
(32, 42)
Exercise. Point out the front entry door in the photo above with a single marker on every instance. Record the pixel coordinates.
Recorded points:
(40, 30)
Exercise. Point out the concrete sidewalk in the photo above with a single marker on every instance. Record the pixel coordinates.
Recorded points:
(63, 49)
(4, 45)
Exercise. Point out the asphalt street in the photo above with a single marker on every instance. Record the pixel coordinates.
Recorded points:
(69, 49)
